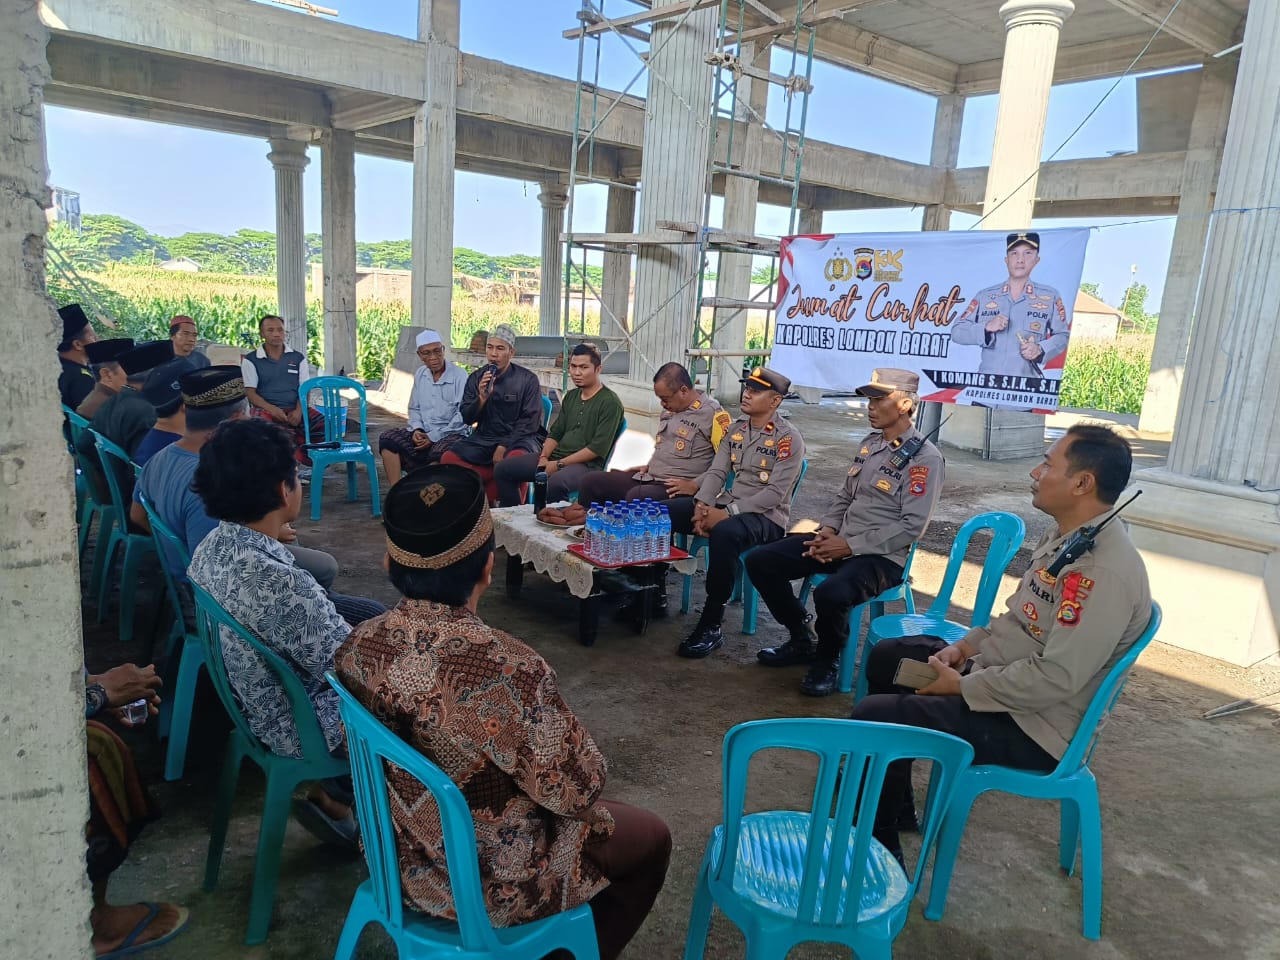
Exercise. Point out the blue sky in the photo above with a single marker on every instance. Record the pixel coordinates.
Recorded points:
(173, 179)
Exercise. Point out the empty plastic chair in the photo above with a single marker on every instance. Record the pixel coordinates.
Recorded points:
(379, 899)
(1007, 533)
(1071, 782)
(788, 876)
(283, 774)
(350, 452)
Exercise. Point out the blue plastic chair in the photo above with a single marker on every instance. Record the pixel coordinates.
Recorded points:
(1007, 533)
(1072, 782)
(117, 467)
(88, 507)
(855, 655)
(742, 588)
(335, 427)
(379, 899)
(788, 876)
(175, 707)
(283, 774)
(546, 411)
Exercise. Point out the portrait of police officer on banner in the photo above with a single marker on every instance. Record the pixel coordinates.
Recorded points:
(1019, 325)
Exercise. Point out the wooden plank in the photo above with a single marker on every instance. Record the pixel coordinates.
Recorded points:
(661, 237)
(731, 303)
(655, 13)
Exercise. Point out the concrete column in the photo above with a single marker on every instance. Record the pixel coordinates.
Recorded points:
(289, 159)
(1199, 180)
(553, 198)
(615, 286)
(434, 142)
(810, 220)
(338, 229)
(677, 139)
(733, 277)
(947, 121)
(1209, 526)
(1030, 49)
(45, 800)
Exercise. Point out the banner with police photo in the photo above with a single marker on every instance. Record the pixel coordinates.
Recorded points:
(983, 317)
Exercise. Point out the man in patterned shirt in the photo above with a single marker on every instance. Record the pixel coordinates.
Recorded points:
(486, 709)
(248, 480)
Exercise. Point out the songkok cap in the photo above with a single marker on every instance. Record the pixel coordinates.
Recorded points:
(211, 387)
(1013, 239)
(886, 380)
(436, 516)
(178, 321)
(74, 320)
(504, 332)
(162, 389)
(426, 338)
(146, 356)
(762, 378)
(104, 351)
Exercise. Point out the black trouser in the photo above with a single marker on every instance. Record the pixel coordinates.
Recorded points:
(513, 472)
(729, 539)
(618, 485)
(996, 737)
(849, 582)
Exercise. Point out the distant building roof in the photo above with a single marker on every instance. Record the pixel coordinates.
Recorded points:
(185, 264)
(1088, 303)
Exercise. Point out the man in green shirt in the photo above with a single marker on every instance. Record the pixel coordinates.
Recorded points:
(580, 439)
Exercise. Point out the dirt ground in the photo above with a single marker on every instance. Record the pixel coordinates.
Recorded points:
(1188, 805)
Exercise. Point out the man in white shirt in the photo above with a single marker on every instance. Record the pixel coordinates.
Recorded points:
(434, 418)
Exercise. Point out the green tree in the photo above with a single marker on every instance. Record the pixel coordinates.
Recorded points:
(78, 248)
(1091, 289)
(1134, 307)
(118, 239)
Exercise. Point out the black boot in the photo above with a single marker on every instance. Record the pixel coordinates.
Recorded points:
(705, 639)
(798, 650)
(822, 680)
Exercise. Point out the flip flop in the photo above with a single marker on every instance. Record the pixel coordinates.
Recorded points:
(128, 947)
(339, 833)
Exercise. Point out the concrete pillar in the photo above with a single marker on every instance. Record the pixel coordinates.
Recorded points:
(289, 159)
(810, 221)
(677, 139)
(434, 142)
(553, 198)
(1209, 526)
(1199, 180)
(1030, 50)
(947, 120)
(45, 801)
(338, 230)
(615, 285)
(733, 276)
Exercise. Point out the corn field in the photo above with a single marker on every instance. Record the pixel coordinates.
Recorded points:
(1107, 374)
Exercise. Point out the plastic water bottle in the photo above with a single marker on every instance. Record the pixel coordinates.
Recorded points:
(664, 531)
(591, 531)
(635, 535)
(613, 533)
(654, 522)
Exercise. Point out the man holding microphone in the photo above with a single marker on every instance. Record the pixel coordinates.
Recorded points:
(503, 403)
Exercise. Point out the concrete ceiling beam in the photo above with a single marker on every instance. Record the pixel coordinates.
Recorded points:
(58, 95)
(1136, 176)
(1088, 61)
(181, 83)
(1207, 25)
(356, 111)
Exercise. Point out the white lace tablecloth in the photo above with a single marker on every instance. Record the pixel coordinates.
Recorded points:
(517, 531)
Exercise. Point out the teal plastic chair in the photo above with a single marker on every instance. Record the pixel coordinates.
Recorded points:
(742, 588)
(1072, 782)
(88, 506)
(118, 469)
(283, 774)
(1007, 534)
(335, 427)
(546, 411)
(379, 900)
(788, 876)
(182, 676)
(855, 655)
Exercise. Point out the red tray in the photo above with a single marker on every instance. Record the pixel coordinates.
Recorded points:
(580, 550)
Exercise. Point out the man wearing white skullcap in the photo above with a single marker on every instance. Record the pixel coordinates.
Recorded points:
(434, 420)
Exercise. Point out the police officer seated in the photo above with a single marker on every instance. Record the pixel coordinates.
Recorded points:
(1017, 688)
(883, 507)
(762, 454)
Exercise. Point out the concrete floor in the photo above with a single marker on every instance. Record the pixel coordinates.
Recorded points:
(1188, 805)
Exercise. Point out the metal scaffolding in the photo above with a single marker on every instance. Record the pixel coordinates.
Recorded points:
(751, 37)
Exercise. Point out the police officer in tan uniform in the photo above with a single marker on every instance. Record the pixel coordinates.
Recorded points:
(763, 454)
(1018, 324)
(689, 433)
(1018, 688)
(884, 506)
